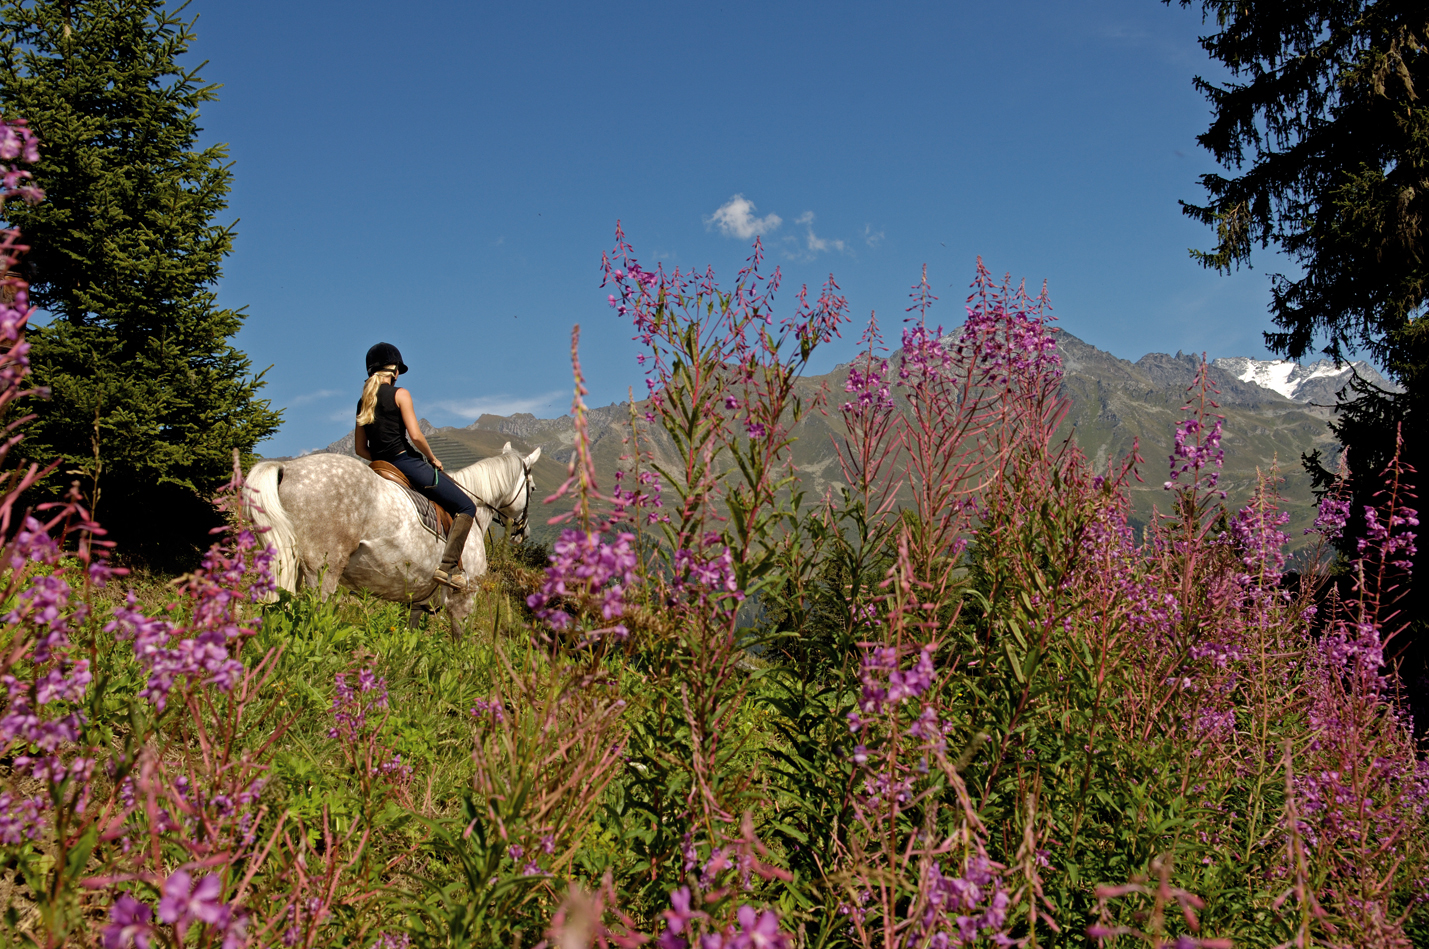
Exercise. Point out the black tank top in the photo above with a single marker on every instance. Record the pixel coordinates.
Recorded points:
(386, 434)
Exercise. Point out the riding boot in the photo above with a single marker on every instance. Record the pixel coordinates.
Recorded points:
(450, 572)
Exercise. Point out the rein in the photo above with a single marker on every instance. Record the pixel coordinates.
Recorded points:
(523, 519)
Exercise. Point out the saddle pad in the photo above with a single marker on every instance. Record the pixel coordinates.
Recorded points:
(433, 516)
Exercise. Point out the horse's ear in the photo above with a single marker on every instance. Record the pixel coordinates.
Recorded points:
(533, 457)
(506, 447)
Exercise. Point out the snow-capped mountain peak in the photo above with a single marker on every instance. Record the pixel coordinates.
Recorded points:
(1317, 382)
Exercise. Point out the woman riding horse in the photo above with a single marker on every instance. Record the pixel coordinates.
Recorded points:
(385, 422)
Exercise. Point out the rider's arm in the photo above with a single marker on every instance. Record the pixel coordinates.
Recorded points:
(414, 434)
(359, 443)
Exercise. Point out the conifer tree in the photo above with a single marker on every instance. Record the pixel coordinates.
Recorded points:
(148, 396)
(1324, 128)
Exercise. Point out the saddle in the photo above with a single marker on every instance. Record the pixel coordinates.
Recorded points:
(435, 518)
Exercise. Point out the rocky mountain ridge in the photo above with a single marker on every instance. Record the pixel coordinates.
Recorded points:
(1274, 412)
(1319, 382)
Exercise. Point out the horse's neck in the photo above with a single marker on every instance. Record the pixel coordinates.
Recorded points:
(487, 480)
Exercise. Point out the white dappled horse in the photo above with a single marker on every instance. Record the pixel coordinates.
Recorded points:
(334, 522)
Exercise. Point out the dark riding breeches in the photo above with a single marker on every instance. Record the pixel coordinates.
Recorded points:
(434, 484)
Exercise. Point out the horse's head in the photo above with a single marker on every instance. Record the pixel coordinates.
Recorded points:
(516, 512)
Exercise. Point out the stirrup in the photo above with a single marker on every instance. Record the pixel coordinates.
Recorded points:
(456, 580)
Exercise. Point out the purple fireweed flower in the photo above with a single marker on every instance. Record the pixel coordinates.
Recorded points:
(928, 727)
(671, 940)
(688, 852)
(130, 924)
(1215, 726)
(33, 544)
(200, 649)
(494, 708)
(44, 606)
(679, 915)
(20, 819)
(350, 706)
(645, 496)
(583, 567)
(1255, 530)
(63, 685)
(964, 909)
(183, 903)
(751, 930)
(1334, 513)
(870, 389)
(235, 931)
(17, 141)
(629, 502)
(388, 940)
(1395, 547)
(885, 683)
(880, 788)
(819, 323)
(367, 681)
(1350, 646)
(923, 355)
(709, 576)
(859, 909)
(1197, 449)
(717, 863)
(1010, 341)
(394, 768)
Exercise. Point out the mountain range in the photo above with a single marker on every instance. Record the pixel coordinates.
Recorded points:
(1274, 410)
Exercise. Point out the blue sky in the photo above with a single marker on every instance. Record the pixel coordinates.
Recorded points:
(445, 175)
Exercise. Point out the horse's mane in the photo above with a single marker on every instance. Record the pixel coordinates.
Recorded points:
(491, 479)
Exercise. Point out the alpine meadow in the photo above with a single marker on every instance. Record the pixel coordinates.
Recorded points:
(966, 692)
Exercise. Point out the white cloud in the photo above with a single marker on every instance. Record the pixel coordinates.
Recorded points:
(472, 409)
(317, 396)
(810, 245)
(871, 237)
(735, 218)
(501, 404)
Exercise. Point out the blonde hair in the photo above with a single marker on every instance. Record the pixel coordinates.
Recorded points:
(367, 408)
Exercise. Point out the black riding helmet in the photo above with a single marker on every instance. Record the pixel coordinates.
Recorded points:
(385, 354)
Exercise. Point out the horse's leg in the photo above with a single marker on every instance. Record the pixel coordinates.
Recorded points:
(324, 574)
(333, 575)
(461, 608)
(414, 616)
(310, 576)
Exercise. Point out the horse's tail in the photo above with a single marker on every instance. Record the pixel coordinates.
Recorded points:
(261, 505)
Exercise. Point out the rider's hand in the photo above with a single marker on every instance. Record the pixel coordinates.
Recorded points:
(437, 464)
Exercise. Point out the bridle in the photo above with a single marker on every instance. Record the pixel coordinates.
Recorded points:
(523, 520)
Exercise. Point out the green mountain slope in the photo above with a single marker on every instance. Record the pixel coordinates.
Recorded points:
(1116, 405)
